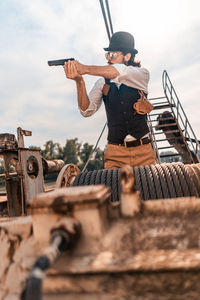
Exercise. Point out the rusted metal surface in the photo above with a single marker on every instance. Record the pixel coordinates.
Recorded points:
(52, 166)
(130, 197)
(8, 141)
(26, 179)
(132, 249)
(67, 176)
(32, 173)
(20, 133)
(128, 257)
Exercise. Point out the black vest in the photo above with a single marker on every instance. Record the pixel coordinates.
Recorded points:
(121, 116)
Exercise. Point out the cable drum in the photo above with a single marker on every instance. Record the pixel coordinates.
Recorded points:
(167, 180)
(109, 178)
(160, 181)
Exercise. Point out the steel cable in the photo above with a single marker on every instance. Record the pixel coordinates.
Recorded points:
(87, 178)
(138, 181)
(77, 179)
(175, 180)
(189, 182)
(82, 179)
(162, 181)
(119, 184)
(181, 179)
(98, 177)
(109, 181)
(104, 177)
(170, 186)
(115, 192)
(157, 182)
(150, 182)
(168, 180)
(196, 171)
(93, 177)
(144, 183)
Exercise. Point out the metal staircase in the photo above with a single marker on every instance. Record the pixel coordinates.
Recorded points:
(172, 135)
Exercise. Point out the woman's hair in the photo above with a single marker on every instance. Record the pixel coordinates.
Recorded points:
(132, 61)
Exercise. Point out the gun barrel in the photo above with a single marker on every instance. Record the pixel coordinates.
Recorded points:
(59, 62)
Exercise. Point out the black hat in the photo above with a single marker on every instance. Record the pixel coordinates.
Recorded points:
(122, 41)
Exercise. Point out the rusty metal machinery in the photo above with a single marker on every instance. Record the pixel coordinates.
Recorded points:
(24, 171)
(67, 176)
(167, 180)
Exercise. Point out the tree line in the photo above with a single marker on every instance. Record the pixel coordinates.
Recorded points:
(73, 152)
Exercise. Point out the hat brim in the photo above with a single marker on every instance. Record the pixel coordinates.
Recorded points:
(133, 51)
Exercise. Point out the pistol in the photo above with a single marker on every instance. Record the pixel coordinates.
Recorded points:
(59, 62)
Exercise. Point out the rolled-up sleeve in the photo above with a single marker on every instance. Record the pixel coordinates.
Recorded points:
(95, 98)
(132, 76)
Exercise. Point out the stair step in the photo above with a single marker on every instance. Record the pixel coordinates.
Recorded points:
(163, 106)
(167, 147)
(165, 125)
(169, 131)
(156, 114)
(172, 138)
(169, 155)
(163, 103)
(160, 119)
(157, 98)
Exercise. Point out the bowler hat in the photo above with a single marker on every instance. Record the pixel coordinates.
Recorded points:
(122, 41)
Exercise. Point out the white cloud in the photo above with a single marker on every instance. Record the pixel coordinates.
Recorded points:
(37, 97)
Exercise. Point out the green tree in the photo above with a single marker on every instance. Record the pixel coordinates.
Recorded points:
(99, 159)
(96, 161)
(34, 148)
(71, 151)
(52, 150)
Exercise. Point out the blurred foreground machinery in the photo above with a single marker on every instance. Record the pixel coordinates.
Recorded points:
(130, 233)
(127, 249)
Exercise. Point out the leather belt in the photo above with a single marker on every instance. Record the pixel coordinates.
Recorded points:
(134, 143)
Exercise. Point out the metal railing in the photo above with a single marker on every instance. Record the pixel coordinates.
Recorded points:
(181, 123)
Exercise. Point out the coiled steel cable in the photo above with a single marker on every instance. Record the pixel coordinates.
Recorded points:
(195, 176)
(144, 183)
(109, 178)
(115, 188)
(87, 178)
(157, 182)
(175, 180)
(163, 181)
(138, 181)
(93, 177)
(182, 181)
(98, 177)
(168, 180)
(150, 182)
(191, 187)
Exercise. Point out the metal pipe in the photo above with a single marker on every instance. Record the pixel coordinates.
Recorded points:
(105, 19)
(52, 166)
(109, 16)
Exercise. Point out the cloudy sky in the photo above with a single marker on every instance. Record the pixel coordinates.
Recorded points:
(39, 98)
